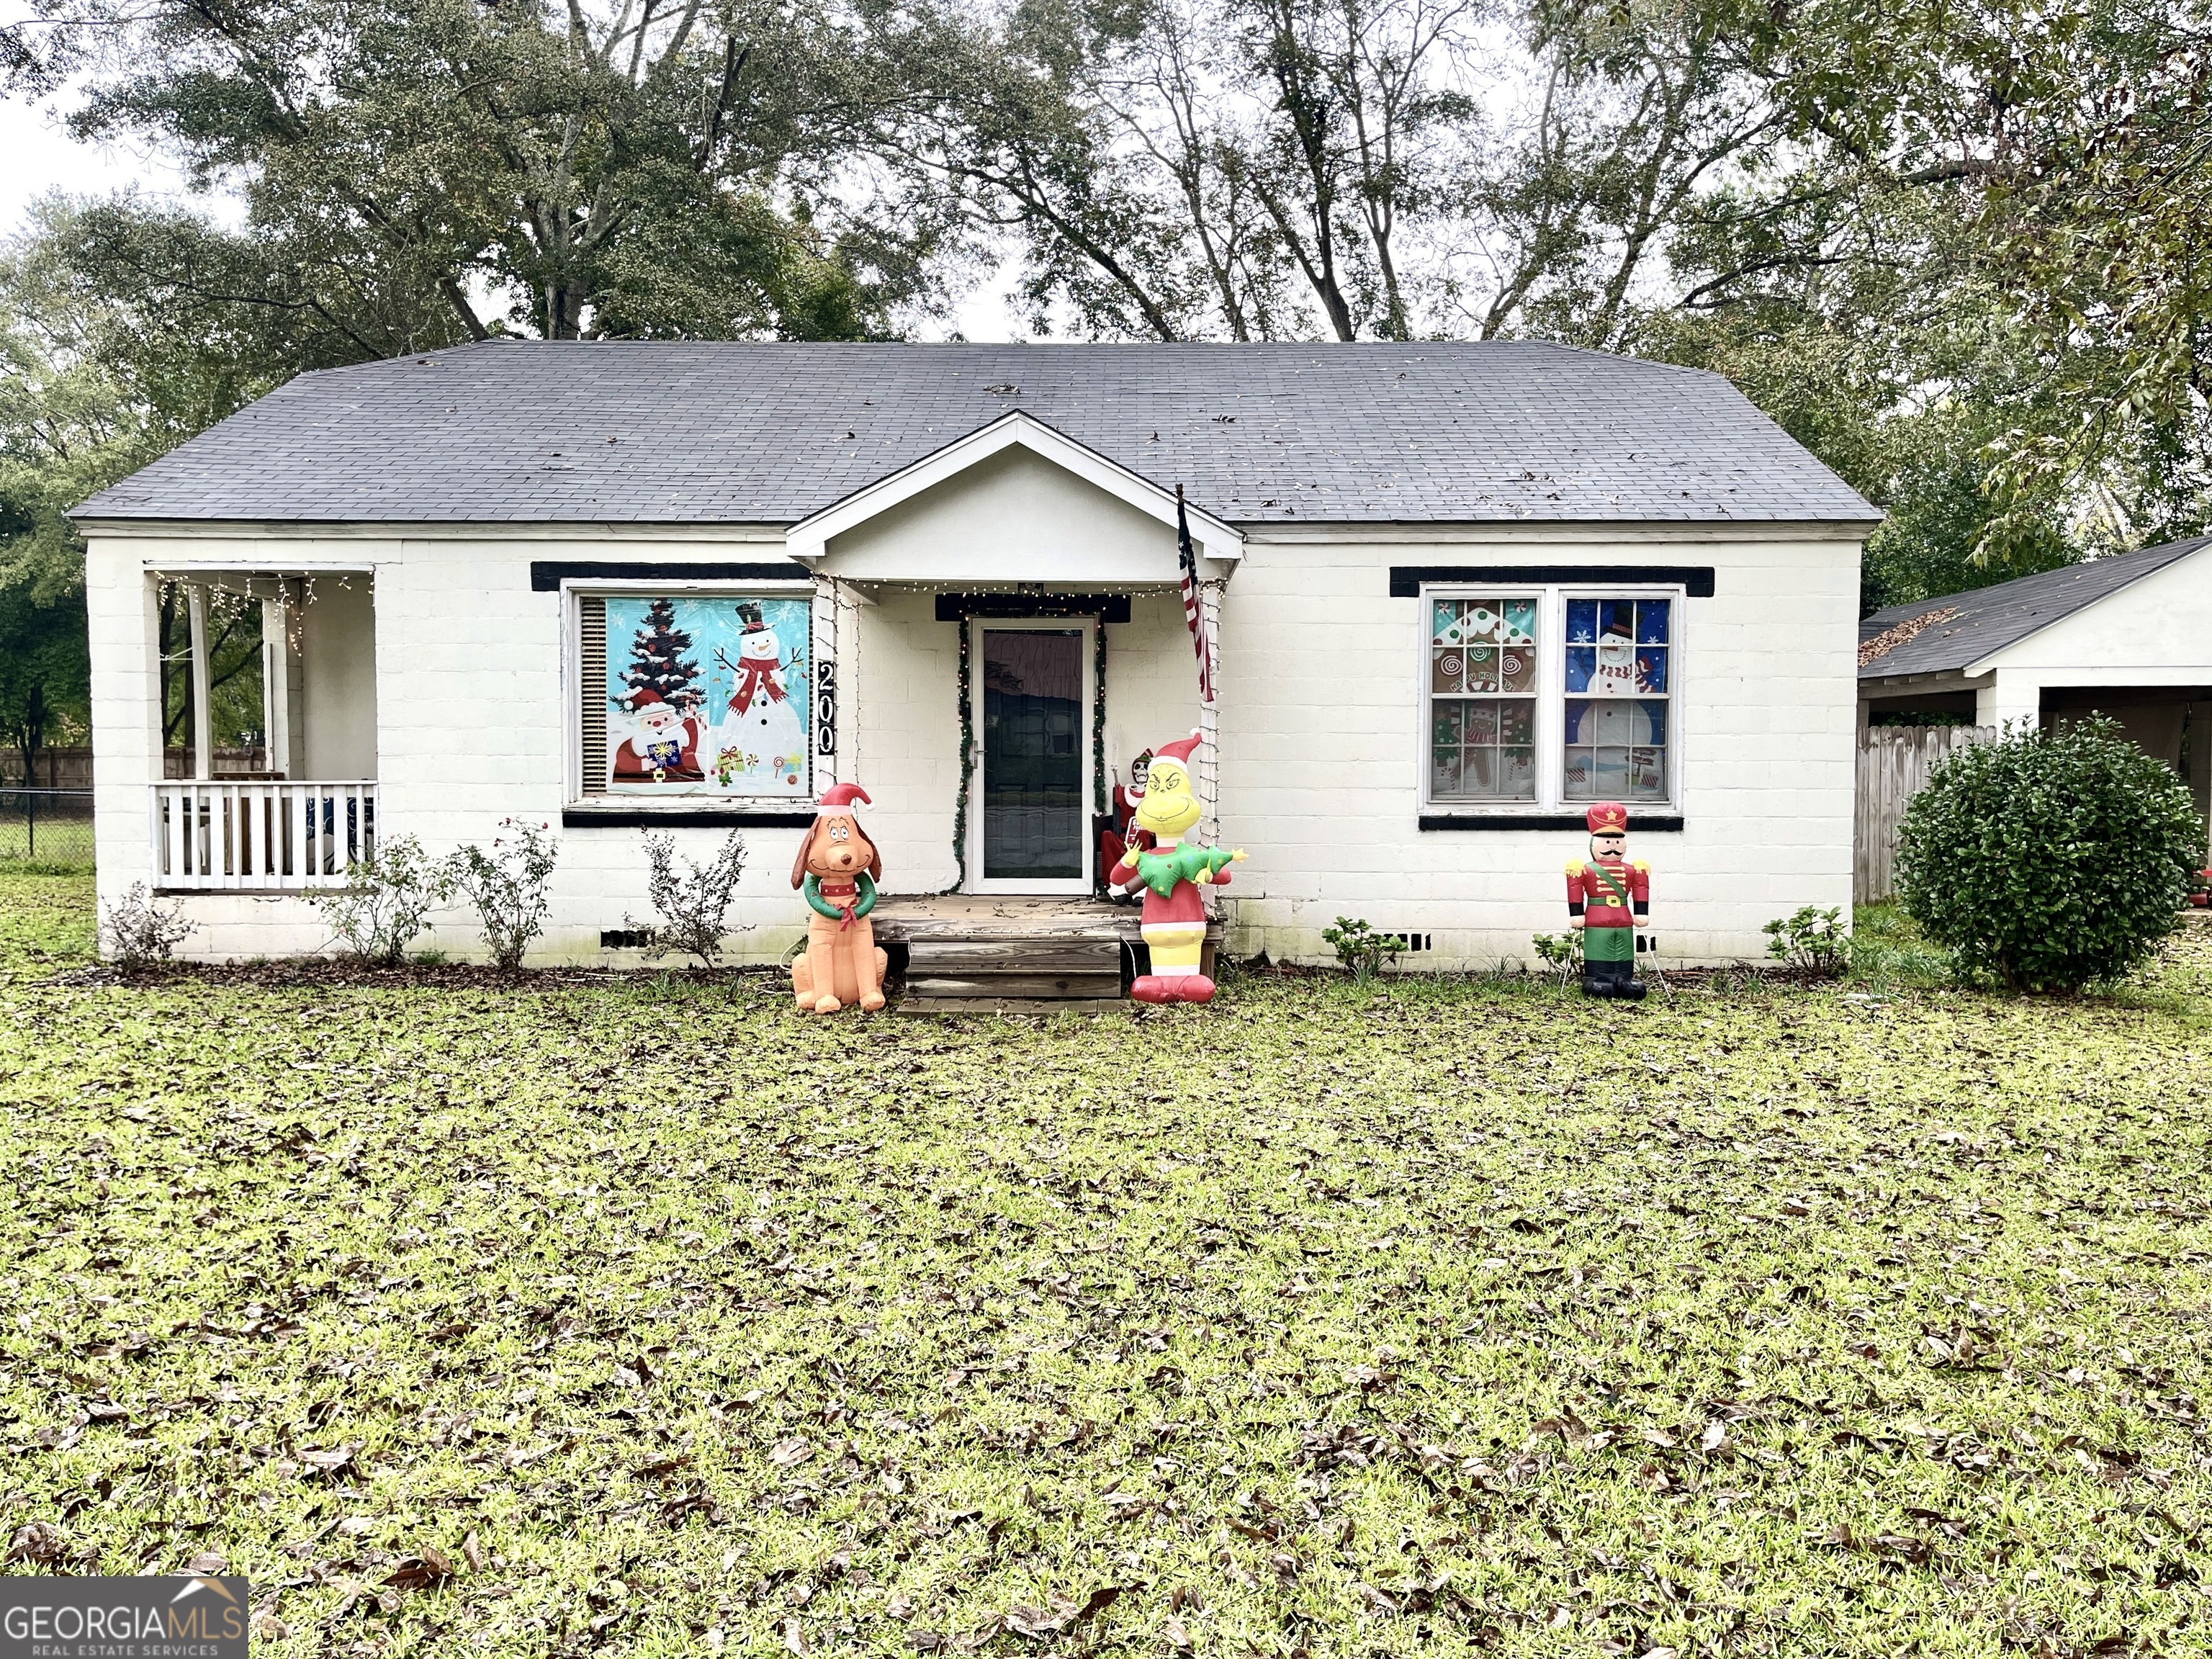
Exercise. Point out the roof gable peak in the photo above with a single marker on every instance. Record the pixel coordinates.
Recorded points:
(808, 540)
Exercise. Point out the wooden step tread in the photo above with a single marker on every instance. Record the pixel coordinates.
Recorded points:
(1038, 986)
(1035, 955)
(1006, 1006)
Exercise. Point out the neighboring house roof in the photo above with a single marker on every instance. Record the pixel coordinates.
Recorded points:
(653, 433)
(1937, 636)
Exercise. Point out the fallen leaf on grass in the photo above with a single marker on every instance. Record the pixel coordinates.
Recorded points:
(472, 1552)
(420, 1572)
(789, 1452)
(1175, 1633)
(334, 1461)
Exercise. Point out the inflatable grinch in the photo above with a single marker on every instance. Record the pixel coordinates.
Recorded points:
(1171, 871)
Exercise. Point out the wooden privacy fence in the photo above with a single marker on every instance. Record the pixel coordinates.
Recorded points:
(1895, 761)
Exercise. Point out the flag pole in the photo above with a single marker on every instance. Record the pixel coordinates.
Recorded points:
(1202, 611)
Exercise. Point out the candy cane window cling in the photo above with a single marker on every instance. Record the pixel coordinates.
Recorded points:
(1482, 701)
(1618, 680)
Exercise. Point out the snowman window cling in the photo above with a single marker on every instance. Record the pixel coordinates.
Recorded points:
(759, 741)
(1615, 673)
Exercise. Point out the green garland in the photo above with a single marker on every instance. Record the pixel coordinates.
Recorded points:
(1098, 718)
(967, 678)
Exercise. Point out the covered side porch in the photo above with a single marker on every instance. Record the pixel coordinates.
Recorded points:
(260, 764)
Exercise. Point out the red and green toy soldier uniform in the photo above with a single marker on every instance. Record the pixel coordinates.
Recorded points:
(1611, 895)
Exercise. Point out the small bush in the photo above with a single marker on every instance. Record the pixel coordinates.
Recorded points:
(1360, 948)
(2049, 861)
(137, 933)
(508, 887)
(386, 900)
(693, 907)
(1563, 951)
(1816, 940)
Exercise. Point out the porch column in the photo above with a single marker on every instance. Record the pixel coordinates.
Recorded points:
(1209, 719)
(203, 719)
(276, 685)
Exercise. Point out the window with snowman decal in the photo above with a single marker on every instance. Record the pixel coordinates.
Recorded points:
(707, 696)
(1496, 705)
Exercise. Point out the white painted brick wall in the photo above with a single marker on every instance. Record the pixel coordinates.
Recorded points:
(1322, 744)
(1322, 764)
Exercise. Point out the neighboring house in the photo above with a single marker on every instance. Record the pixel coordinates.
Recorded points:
(2129, 636)
(1462, 592)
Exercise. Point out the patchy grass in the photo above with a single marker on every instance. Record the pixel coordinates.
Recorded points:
(653, 1318)
(1888, 950)
(47, 922)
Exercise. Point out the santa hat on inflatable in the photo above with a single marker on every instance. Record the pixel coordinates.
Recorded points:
(838, 798)
(1179, 750)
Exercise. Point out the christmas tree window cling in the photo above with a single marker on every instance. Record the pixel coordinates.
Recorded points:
(1618, 680)
(1482, 701)
(704, 696)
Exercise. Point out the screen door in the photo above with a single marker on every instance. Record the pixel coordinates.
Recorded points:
(1034, 723)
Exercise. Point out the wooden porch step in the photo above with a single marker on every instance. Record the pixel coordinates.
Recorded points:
(931, 958)
(972, 953)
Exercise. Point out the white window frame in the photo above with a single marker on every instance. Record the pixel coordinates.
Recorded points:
(1551, 599)
(573, 589)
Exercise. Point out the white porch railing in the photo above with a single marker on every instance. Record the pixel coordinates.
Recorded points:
(260, 835)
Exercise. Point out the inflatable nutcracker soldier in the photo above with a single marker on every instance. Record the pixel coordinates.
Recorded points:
(1606, 897)
(1171, 871)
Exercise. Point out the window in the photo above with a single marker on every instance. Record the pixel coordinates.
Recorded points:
(690, 694)
(1550, 696)
(1482, 691)
(1616, 717)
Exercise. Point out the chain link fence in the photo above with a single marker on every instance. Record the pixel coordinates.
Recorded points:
(44, 826)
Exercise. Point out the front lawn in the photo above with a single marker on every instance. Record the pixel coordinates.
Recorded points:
(650, 1317)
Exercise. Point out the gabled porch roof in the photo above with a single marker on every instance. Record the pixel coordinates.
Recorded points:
(808, 540)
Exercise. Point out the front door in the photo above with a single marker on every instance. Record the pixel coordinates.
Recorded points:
(1036, 729)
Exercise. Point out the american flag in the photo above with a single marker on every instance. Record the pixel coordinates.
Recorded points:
(1187, 558)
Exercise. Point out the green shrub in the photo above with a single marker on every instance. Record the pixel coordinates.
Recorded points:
(387, 900)
(1560, 951)
(1360, 948)
(2049, 861)
(1815, 940)
(508, 887)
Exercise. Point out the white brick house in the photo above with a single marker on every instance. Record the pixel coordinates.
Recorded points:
(1461, 592)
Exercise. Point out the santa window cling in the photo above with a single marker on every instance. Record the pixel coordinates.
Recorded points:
(662, 745)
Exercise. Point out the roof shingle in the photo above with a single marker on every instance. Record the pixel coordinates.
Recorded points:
(665, 433)
(1987, 619)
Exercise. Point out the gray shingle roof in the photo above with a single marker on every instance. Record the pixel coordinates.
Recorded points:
(2004, 613)
(650, 433)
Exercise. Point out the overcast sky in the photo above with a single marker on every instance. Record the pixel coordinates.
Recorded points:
(41, 157)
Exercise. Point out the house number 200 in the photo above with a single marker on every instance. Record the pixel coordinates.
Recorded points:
(825, 708)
